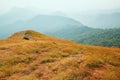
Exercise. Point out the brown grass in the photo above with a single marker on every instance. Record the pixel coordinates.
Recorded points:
(47, 58)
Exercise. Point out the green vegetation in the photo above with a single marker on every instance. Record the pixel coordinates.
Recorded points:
(107, 37)
(90, 36)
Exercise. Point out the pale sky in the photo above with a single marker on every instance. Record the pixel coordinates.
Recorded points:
(60, 5)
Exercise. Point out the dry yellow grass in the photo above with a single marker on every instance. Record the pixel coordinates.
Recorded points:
(47, 58)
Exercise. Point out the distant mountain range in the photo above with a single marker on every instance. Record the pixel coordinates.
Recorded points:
(42, 23)
(64, 27)
(100, 20)
(16, 14)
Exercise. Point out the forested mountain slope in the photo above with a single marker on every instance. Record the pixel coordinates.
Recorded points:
(91, 36)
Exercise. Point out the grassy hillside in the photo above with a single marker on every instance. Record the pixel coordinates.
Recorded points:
(29, 55)
(91, 36)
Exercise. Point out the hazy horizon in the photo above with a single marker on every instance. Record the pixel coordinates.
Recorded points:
(61, 5)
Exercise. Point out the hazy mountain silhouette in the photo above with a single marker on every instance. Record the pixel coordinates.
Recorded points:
(42, 23)
(16, 14)
(100, 20)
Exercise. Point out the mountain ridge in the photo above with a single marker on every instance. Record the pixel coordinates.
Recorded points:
(41, 23)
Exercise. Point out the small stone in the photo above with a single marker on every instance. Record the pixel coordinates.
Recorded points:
(26, 38)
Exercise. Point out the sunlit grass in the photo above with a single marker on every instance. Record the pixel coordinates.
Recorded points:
(45, 57)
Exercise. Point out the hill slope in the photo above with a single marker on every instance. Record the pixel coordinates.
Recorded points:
(107, 37)
(29, 55)
(91, 36)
